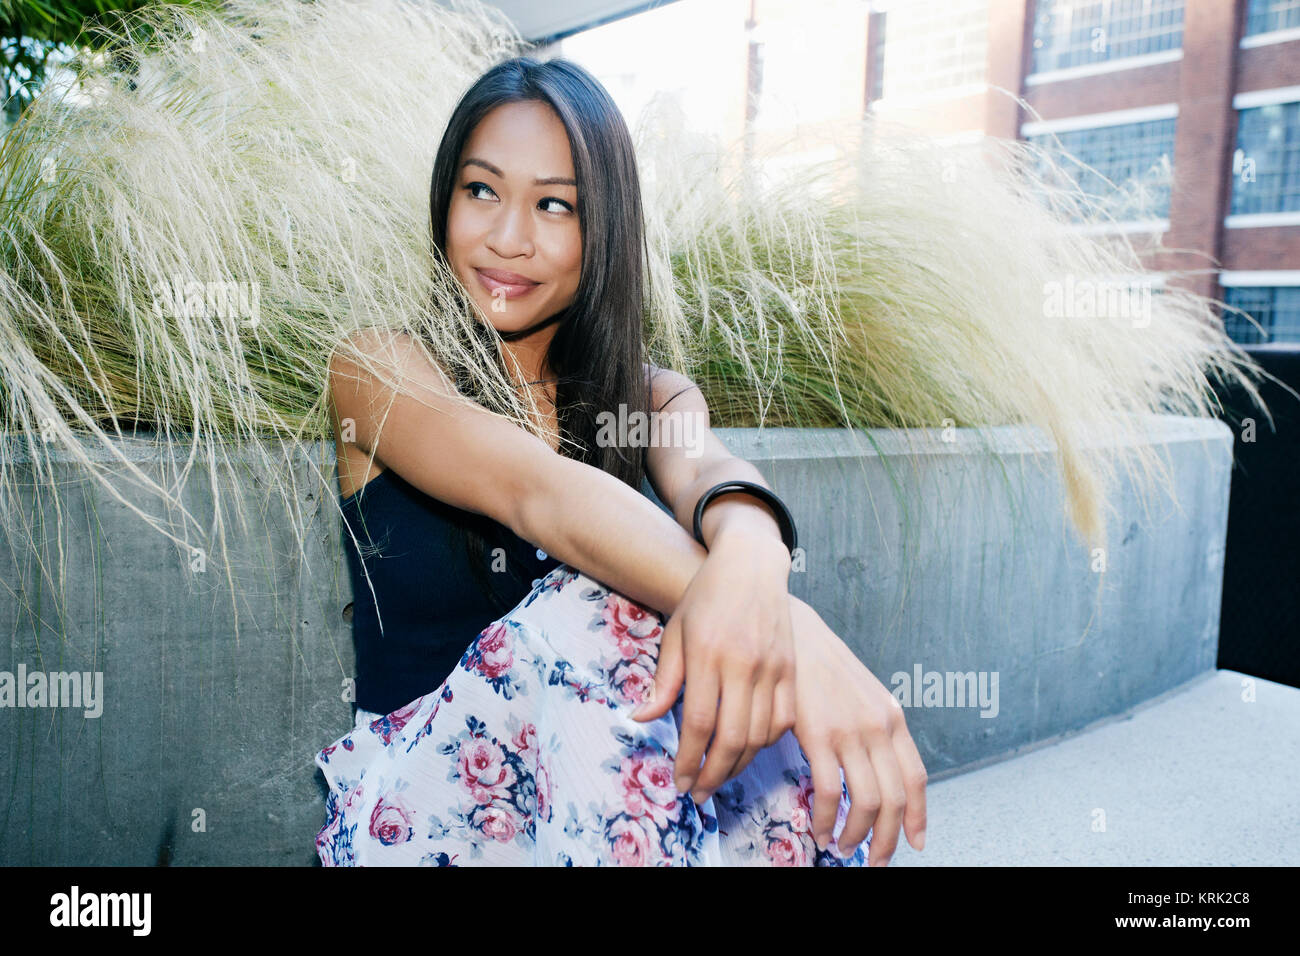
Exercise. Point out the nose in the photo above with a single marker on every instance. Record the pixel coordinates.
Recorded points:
(511, 234)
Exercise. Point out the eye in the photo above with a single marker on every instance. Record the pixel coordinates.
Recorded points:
(552, 199)
(472, 186)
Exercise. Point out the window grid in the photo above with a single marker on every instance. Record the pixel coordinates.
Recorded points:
(1275, 308)
(1136, 158)
(1266, 168)
(1069, 33)
(1265, 16)
(934, 45)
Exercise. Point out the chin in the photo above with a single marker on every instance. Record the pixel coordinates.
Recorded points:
(514, 326)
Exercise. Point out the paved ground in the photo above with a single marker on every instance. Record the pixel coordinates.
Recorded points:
(1201, 776)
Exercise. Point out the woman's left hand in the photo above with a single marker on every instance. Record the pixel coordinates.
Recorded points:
(731, 633)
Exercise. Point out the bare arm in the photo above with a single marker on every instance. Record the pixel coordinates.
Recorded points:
(464, 455)
(680, 475)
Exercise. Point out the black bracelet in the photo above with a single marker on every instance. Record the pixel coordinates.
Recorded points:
(783, 516)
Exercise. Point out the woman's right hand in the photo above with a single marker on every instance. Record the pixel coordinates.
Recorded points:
(845, 717)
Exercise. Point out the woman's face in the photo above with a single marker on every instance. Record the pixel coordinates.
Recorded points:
(513, 235)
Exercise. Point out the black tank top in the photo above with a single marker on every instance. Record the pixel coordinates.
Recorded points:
(431, 603)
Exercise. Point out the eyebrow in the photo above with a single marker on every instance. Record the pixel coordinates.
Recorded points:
(547, 181)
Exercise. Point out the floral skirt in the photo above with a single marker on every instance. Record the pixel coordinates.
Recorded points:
(527, 755)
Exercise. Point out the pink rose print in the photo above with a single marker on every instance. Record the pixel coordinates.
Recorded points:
(353, 798)
(495, 648)
(526, 739)
(499, 824)
(784, 847)
(648, 789)
(634, 628)
(803, 792)
(390, 822)
(630, 844)
(801, 799)
(799, 821)
(390, 725)
(484, 771)
(543, 780)
(632, 680)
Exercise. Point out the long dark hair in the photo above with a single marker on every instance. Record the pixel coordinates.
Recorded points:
(598, 350)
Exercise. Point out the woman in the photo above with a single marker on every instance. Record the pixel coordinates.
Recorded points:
(566, 732)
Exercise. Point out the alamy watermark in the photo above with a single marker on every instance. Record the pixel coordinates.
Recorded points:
(228, 301)
(1099, 299)
(947, 689)
(76, 689)
(75, 908)
(638, 429)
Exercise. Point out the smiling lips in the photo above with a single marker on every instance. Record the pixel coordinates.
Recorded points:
(510, 284)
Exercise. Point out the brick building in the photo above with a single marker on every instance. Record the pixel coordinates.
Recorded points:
(1187, 110)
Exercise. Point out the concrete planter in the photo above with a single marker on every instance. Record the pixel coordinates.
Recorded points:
(203, 751)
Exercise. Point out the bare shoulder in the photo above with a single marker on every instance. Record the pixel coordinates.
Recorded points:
(371, 357)
(362, 367)
(391, 347)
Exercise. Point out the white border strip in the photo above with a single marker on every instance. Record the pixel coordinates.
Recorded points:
(1260, 277)
(1141, 114)
(1281, 94)
(1273, 36)
(1105, 66)
(1261, 220)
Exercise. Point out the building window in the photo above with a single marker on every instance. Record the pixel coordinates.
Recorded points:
(1266, 166)
(1071, 33)
(1129, 167)
(928, 45)
(1265, 16)
(1275, 308)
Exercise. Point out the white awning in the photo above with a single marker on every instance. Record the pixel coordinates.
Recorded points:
(546, 20)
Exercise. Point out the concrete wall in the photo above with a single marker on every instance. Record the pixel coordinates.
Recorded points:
(973, 571)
